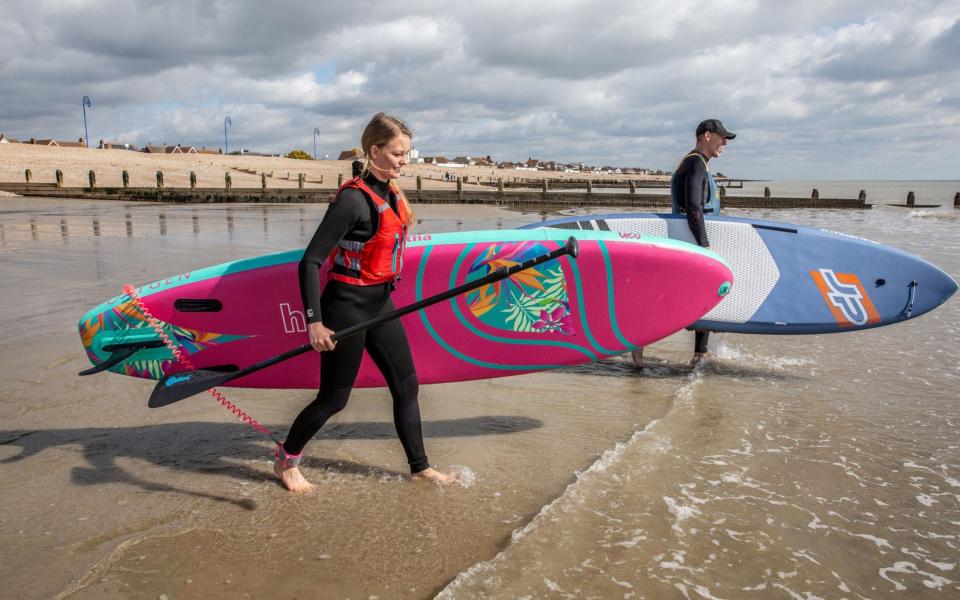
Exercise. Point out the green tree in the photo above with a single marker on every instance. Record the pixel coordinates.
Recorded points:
(300, 154)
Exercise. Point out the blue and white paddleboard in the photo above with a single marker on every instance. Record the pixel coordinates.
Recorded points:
(793, 279)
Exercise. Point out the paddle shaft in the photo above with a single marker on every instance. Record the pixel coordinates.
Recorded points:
(570, 247)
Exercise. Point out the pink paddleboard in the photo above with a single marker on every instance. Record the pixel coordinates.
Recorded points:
(624, 291)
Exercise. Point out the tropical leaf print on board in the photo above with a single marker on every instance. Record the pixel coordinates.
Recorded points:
(531, 301)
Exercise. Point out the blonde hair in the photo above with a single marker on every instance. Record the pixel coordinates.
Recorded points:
(380, 131)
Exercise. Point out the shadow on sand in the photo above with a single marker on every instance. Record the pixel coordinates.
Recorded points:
(220, 448)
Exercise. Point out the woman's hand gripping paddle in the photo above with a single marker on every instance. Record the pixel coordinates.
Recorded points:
(178, 386)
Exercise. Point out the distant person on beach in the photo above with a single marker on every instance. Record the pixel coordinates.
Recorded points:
(357, 235)
(695, 194)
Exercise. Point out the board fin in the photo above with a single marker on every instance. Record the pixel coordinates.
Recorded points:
(120, 353)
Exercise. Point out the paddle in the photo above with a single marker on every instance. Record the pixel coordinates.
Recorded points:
(178, 386)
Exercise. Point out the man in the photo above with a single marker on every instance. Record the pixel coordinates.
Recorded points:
(695, 194)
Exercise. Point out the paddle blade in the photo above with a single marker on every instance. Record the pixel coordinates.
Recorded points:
(178, 386)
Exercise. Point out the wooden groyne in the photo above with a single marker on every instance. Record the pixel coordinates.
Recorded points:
(572, 183)
(505, 197)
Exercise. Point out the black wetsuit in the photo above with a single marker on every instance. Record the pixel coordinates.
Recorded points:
(340, 305)
(690, 189)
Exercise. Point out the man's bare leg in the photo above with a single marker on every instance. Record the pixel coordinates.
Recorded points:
(637, 356)
(699, 357)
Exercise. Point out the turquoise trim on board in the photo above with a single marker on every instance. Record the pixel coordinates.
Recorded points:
(583, 316)
(221, 270)
(611, 303)
(552, 235)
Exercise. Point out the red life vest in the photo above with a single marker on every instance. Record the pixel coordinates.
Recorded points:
(379, 259)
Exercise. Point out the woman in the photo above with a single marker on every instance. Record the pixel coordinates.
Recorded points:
(363, 235)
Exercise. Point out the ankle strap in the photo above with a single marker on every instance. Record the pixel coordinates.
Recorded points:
(286, 459)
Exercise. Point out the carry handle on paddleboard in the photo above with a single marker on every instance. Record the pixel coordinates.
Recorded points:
(178, 386)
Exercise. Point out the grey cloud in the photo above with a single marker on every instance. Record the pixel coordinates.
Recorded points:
(605, 82)
(894, 51)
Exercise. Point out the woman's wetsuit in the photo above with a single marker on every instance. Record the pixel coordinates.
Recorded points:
(343, 304)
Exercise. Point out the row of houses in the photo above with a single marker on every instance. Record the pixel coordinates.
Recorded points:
(149, 148)
(51, 142)
(533, 164)
(414, 158)
(459, 161)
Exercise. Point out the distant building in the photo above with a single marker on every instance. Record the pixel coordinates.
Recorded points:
(5, 140)
(413, 157)
(483, 162)
(117, 146)
(205, 150)
(58, 143)
(178, 149)
(248, 152)
(352, 154)
(164, 149)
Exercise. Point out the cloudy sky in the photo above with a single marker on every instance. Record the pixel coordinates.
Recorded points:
(842, 89)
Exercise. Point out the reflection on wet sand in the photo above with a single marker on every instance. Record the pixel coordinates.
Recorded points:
(272, 222)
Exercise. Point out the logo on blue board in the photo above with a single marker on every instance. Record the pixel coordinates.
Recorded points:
(846, 298)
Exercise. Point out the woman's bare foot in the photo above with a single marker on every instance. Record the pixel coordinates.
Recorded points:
(637, 356)
(431, 474)
(292, 478)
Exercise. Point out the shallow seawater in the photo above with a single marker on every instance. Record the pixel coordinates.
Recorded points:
(794, 467)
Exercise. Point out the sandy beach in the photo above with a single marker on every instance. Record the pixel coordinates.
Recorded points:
(76, 163)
